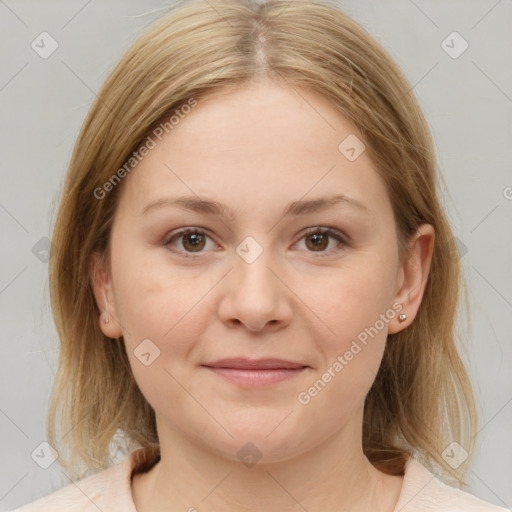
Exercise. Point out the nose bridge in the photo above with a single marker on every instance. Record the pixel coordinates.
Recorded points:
(254, 295)
(252, 270)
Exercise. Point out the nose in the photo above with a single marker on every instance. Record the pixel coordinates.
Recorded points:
(255, 295)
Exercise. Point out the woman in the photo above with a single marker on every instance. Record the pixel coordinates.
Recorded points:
(254, 281)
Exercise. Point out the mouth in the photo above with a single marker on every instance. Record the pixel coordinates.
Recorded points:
(262, 372)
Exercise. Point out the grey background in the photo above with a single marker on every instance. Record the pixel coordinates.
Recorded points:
(467, 102)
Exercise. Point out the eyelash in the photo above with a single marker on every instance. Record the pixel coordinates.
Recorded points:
(327, 230)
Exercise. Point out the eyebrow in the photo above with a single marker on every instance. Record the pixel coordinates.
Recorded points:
(194, 204)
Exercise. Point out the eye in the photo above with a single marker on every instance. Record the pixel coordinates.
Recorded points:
(317, 239)
(193, 240)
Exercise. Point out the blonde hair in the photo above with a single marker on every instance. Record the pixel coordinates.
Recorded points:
(422, 399)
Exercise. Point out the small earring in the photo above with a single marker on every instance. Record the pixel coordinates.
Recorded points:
(105, 319)
(402, 317)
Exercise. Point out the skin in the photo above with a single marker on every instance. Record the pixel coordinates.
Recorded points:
(255, 150)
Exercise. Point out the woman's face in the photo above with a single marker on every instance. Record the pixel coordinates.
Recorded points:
(255, 278)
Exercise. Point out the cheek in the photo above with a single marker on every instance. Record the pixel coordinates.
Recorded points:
(350, 361)
(350, 300)
(163, 314)
(173, 309)
(160, 303)
(350, 326)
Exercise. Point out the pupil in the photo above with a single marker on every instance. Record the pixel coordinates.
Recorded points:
(193, 241)
(318, 240)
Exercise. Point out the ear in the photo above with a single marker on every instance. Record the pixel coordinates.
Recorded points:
(101, 282)
(413, 275)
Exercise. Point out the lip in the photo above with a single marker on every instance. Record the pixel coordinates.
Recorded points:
(241, 363)
(250, 372)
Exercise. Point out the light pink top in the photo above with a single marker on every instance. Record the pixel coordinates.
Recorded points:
(110, 490)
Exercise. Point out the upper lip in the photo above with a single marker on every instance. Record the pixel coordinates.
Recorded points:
(253, 364)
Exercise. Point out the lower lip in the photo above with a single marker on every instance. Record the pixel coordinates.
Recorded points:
(257, 377)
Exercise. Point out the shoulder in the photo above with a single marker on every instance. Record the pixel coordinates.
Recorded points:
(106, 490)
(422, 491)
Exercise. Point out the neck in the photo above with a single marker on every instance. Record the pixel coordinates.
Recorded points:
(333, 476)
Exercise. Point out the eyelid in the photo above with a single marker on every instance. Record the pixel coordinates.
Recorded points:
(329, 230)
(343, 239)
(176, 234)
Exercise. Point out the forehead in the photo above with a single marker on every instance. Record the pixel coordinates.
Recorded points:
(255, 146)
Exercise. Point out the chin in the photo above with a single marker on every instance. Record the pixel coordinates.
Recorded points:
(259, 443)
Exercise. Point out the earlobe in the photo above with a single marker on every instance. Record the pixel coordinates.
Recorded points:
(415, 271)
(101, 284)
